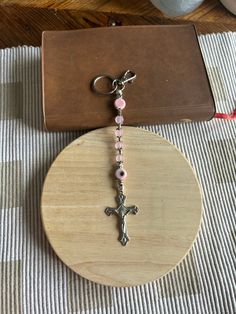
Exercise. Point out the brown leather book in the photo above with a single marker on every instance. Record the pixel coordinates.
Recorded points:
(171, 84)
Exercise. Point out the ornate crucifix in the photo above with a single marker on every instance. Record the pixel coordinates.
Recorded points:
(117, 86)
(121, 211)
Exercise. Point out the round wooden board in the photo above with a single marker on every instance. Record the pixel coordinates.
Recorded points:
(80, 185)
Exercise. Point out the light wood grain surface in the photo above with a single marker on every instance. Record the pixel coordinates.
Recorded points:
(80, 185)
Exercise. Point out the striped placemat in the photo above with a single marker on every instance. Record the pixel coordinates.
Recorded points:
(33, 280)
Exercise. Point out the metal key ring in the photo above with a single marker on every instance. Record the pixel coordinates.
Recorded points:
(104, 76)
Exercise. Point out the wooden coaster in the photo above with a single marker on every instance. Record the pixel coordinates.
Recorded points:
(80, 185)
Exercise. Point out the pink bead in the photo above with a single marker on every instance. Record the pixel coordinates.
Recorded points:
(119, 132)
(121, 174)
(119, 119)
(120, 103)
(119, 158)
(119, 145)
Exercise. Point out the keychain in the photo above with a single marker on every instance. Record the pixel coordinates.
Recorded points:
(121, 211)
(78, 189)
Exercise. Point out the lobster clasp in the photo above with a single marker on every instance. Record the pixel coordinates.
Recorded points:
(128, 77)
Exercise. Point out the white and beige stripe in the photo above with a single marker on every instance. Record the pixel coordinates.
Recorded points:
(34, 280)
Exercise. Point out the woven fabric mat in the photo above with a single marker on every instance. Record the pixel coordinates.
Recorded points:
(33, 280)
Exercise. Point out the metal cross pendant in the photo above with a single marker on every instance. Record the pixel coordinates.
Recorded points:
(121, 211)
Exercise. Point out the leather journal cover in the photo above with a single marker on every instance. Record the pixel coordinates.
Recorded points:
(171, 84)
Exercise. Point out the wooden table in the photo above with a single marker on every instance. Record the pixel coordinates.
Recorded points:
(22, 21)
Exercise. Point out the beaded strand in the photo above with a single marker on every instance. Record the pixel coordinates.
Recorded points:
(121, 173)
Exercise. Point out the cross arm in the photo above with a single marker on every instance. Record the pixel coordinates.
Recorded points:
(110, 211)
(132, 209)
